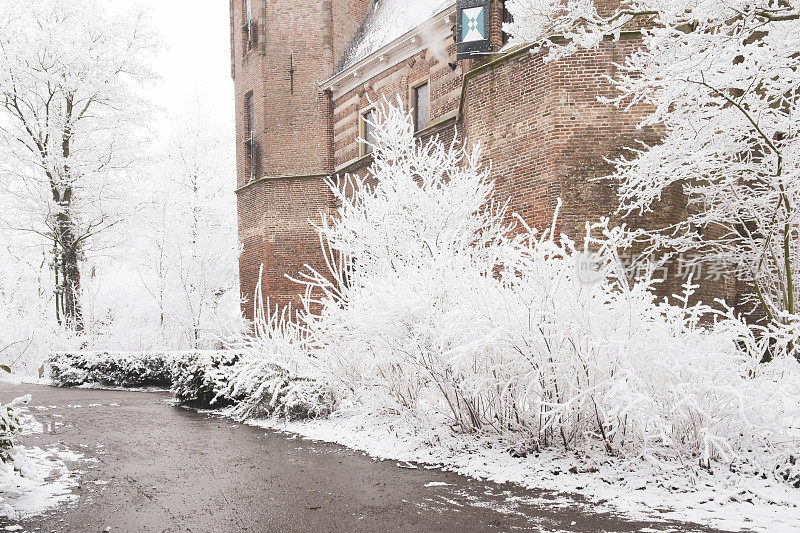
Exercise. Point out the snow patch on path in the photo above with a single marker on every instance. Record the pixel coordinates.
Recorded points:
(633, 488)
(35, 480)
(38, 480)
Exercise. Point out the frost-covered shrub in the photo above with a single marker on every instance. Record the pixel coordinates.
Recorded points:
(199, 377)
(276, 375)
(10, 426)
(788, 469)
(725, 102)
(261, 387)
(582, 363)
(436, 308)
(115, 369)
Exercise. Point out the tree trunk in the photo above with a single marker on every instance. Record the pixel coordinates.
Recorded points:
(69, 244)
(57, 285)
(70, 287)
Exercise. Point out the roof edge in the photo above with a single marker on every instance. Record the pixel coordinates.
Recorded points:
(385, 53)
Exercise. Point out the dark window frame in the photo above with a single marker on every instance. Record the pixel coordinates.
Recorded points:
(249, 141)
(367, 130)
(421, 114)
(249, 28)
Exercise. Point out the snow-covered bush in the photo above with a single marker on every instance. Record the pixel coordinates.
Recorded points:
(437, 310)
(261, 387)
(788, 469)
(199, 377)
(276, 375)
(32, 480)
(115, 369)
(10, 426)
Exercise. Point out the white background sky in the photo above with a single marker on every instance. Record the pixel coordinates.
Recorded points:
(195, 63)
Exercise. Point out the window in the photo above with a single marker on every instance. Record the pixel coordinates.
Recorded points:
(421, 101)
(249, 141)
(368, 119)
(249, 27)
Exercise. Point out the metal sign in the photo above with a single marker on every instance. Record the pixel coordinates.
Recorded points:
(472, 27)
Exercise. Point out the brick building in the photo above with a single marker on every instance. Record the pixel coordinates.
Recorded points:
(306, 74)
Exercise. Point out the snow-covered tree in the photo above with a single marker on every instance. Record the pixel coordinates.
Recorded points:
(71, 118)
(190, 247)
(722, 80)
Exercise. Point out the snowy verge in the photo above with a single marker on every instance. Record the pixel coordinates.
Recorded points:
(633, 488)
(32, 480)
(38, 480)
(21, 379)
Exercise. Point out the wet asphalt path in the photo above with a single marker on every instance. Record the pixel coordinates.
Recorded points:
(165, 468)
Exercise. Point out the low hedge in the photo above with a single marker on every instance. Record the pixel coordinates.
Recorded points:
(111, 369)
(254, 386)
(263, 387)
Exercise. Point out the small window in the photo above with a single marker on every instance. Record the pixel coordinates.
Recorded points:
(249, 141)
(368, 139)
(422, 106)
(249, 27)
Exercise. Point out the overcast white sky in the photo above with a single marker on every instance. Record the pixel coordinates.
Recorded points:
(196, 60)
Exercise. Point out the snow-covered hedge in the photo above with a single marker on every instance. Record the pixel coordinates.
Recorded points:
(198, 379)
(113, 369)
(264, 387)
(194, 377)
(277, 374)
(257, 377)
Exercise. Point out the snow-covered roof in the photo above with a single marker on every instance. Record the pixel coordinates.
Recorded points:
(386, 21)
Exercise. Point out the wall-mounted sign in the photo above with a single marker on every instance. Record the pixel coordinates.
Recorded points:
(472, 27)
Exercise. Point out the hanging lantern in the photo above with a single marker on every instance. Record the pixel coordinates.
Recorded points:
(472, 27)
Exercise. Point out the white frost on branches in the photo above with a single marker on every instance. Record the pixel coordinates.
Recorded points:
(188, 249)
(128, 242)
(722, 82)
(436, 310)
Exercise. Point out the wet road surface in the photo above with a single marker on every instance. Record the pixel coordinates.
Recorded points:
(151, 466)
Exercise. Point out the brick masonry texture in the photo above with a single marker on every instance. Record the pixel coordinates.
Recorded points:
(540, 126)
(295, 49)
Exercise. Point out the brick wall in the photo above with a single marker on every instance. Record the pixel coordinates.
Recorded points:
(275, 231)
(548, 137)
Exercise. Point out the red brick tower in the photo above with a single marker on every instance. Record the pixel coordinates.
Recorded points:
(280, 51)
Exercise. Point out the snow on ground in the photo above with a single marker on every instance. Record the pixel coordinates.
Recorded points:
(24, 378)
(637, 489)
(37, 479)
(46, 483)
